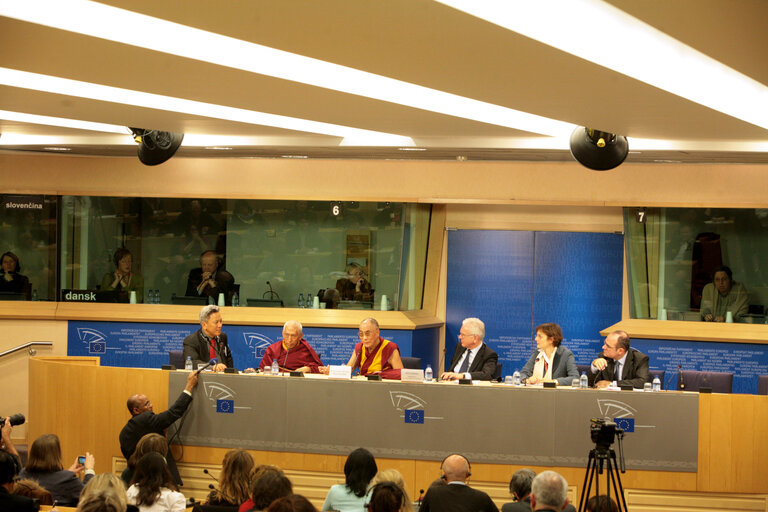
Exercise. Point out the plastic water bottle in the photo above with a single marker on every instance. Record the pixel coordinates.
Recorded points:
(188, 363)
(34, 294)
(157, 296)
(428, 373)
(583, 381)
(235, 300)
(656, 383)
(210, 300)
(310, 299)
(301, 300)
(516, 378)
(275, 368)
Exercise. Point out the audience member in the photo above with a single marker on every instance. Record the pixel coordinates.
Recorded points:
(6, 444)
(10, 501)
(123, 279)
(393, 475)
(293, 503)
(355, 286)
(103, 501)
(374, 355)
(209, 342)
(456, 495)
(292, 353)
(359, 469)
(551, 361)
(209, 280)
(44, 466)
(722, 296)
(549, 491)
(520, 487)
(152, 442)
(32, 489)
(144, 421)
(152, 488)
(618, 363)
(11, 281)
(472, 359)
(271, 485)
(110, 483)
(388, 497)
(234, 481)
(602, 503)
(256, 473)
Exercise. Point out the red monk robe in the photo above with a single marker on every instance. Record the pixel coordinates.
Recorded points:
(378, 361)
(300, 355)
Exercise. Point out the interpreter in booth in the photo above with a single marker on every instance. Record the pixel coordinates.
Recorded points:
(209, 280)
(11, 281)
(123, 279)
(722, 296)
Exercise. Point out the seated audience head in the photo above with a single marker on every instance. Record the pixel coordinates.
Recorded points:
(32, 489)
(45, 455)
(102, 501)
(148, 443)
(549, 490)
(234, 481)
(602, 503)
(7, 470)
(551, 333)
(151, 475)
(105, 482)
(392, 475)
(472, 332)
(123, 260)
(293, 503)
(271, 485)
(387, 497)
(292, 333)
(359, 470)
(456, 468)
(10, 262)
(520, 484)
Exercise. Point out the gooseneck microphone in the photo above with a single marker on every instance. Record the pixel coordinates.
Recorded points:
(211, 486)
(681, 382)
(210, 363)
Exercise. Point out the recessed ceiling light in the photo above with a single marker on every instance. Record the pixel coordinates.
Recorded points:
(57, 149)
(218, 148)
(294, 156)
(127, 27)
(412, 149)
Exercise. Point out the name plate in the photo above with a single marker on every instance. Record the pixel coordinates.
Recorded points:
(410, 375)
(340, 371)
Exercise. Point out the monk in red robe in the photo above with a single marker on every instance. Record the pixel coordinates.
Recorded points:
(292, 353)
(374, 354)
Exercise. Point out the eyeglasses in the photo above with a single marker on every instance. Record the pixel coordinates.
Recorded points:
(462, 335)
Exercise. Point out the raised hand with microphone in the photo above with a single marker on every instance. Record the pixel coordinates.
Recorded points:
(210, 363)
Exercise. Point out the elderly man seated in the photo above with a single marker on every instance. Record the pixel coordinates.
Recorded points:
(292, 353)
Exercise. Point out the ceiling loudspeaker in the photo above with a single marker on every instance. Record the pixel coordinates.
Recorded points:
(596, 150)
(155, 146)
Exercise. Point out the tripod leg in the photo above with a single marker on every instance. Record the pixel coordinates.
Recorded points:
(620, 492)
(587, 478)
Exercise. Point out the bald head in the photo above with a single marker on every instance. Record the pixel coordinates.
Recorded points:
(138, 404)
(456, 468)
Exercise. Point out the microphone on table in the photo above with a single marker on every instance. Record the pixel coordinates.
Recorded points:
(212, 362)
(681, 383)
(211, 486)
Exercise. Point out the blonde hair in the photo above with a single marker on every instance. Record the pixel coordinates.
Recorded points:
(102, 483)
(394, 476)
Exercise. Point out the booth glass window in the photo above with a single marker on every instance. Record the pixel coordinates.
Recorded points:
(679, 261)
(28, 234)
(353, 255)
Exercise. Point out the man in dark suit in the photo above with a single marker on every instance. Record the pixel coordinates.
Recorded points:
(472, 358)
(209, 280)
(549, 492)
(520, 487)
(456, 495)
(209, 342)
(144, 421)
(618, 363)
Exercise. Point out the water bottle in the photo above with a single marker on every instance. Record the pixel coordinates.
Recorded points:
(210, 300)
(301, 300)
(310, 299)
(656, 383)
(188, 363)
(157, 296)
(34, 294)
(583, 381)
(516, 378)
(235, 300)
(275, 367)
(428, 373)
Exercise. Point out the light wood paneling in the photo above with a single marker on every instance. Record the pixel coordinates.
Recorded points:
(693, 331)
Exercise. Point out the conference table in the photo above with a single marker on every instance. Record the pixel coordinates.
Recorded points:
(680, 443)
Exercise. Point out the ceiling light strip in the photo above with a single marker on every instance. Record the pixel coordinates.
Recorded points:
(63, 122)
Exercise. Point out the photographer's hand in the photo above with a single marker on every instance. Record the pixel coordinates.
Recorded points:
(6, 438)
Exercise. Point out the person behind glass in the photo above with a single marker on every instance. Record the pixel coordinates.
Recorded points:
(722, 296)
(374, 355)
(152, 488)
(292, 353)
(123, 279)
(355, 286)
(618, 363)
(209, 342)
(359, 468)
(234, 481)
(472, 359)
(44, 466)
(551, 361)
(11, 281)
(209, 280)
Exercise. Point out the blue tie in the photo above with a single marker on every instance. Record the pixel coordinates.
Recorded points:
(464, 368)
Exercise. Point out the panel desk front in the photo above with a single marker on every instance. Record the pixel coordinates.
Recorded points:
(487, 423)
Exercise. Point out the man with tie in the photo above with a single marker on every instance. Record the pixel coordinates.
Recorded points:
(209, 342)
(472, 358)
(618, 363)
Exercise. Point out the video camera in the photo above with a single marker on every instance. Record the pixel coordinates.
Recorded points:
(603, 432)
(16, 419)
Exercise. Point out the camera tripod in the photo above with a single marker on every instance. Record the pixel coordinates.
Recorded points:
(604, 457)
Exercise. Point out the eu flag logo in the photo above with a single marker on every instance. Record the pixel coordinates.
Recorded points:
(414, 416)
(625, 424)
(225, 406)
(97, 347)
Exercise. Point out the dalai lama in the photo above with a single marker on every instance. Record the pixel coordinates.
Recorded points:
(374, 355)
